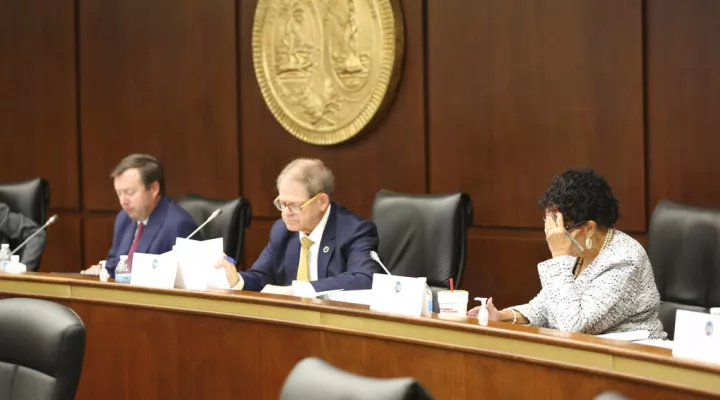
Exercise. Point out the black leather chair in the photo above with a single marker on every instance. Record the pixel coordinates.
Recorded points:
(30, 198)
(684, 249)
(313, 378)
(42, 346)
(424, 235)
(610, 395)
(230, 225)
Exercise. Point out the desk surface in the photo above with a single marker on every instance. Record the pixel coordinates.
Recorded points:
(188, 344)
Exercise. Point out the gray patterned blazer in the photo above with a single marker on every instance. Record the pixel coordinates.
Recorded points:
(615, 293)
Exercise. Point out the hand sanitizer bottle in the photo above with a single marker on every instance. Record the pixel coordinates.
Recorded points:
(483, 314)
(104, 274)
(15, 265)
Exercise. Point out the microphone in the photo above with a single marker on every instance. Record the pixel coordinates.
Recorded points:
(374, 255)
(207, 221)
(49, 222)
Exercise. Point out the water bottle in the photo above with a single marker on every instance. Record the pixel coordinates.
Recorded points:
(429, 299)
(122, 271)
(4, 256)
(427, 306)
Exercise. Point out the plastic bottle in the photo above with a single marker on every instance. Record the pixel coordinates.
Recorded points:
(104, 275)
(483, 314)
(4, 256)
(122, 271)
(429, 300)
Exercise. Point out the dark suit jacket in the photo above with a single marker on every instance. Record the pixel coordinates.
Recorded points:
(347, 264)
(14, 229)
(167, 222)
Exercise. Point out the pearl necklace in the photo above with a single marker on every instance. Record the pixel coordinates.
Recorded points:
(608, 237)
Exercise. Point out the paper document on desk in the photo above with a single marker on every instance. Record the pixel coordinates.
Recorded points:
(307, 290)
(275, 289)
(666, 344)
(628, 336)
(196, 261)
(364, 297)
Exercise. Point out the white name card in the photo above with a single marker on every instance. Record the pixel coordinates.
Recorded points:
(399, 295)
(153, 270)
(697, 336)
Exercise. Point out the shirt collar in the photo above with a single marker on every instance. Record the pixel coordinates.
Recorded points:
(317, 233)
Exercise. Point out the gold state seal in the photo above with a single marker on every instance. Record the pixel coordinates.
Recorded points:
(326, 68)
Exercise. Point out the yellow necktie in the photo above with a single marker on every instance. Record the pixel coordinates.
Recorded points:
(303, 268)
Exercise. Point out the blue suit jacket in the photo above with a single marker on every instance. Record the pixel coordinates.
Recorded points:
(346, 265)
(167, 222)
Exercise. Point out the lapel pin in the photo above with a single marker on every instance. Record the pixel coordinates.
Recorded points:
(326, 249)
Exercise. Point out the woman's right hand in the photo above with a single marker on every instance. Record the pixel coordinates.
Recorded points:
(493, 313)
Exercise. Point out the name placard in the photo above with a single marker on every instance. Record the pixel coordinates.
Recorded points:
(399, 295)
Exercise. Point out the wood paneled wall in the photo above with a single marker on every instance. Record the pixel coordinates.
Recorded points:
(496, 97)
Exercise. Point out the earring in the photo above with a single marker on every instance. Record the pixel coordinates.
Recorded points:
(588, 243)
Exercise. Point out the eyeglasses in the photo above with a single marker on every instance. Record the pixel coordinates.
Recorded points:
(293, 208)
(575, 225)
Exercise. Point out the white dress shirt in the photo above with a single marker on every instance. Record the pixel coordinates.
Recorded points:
(314, 250)
(144, 222)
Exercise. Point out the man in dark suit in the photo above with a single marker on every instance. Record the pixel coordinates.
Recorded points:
(14, 229)
(316, 240)
(150, 221)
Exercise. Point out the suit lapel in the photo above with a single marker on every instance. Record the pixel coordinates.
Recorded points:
(155, 222)
(292, 257)
(327, 244)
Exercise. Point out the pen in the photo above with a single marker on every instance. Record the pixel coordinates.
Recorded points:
(568, 233)
(232, 260)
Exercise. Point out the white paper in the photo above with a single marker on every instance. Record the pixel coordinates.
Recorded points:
(196, 260)
(364, 297)
(275, 289)
(628, 336)
(303, 289)
(666, 344)
(328, 292)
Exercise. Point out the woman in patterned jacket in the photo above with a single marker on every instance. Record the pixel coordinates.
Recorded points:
(601, 280)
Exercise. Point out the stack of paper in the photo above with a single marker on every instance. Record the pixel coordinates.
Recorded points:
(196, 264)
(353, 296)
(666, 344)
(629, 336)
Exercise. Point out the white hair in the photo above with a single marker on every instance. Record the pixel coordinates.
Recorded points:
(311, 173)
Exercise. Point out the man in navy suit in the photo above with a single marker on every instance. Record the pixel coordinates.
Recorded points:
(150, 221)
(316, 240)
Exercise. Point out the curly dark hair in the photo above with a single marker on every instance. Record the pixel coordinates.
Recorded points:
(581, 194)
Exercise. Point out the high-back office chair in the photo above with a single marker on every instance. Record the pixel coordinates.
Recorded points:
(684, 249)
(29, 198)
(313, 378)
(424, 235)
(230, 225)
(610, 395)
(42, 348)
